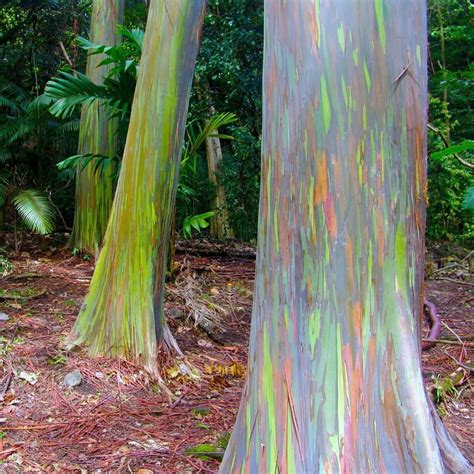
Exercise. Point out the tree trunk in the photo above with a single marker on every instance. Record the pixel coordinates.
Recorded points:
(97, 135)
(2, 222)
(334, 382)
(220, 225)
(123, 311)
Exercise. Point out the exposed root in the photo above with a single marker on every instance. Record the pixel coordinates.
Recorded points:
(435, 324)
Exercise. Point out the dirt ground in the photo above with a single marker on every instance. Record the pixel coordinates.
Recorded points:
(116, 420)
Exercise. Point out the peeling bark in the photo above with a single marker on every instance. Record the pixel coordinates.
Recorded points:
(334, 381)
(123, 311)
(97, 135)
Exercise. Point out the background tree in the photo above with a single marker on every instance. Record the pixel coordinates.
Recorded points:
(334, 381)
(451, 86)
(229, 67)
(31, 139)
(220, 225)
(123, 311)
(97, 135)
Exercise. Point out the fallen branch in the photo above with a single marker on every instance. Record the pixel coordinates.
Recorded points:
(213, 249)
(23, 276)
(449, 342)
(8, 296)
(457, 281)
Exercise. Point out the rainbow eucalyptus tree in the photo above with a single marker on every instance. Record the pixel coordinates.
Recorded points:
(123, 312)
(334, 381)
(97, 136)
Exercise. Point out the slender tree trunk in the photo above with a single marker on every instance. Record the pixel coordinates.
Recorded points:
(334, 382)
(2, 223)
(220, 227)
(445, 74)
(123, 312)
(97, 135)
(220, 224)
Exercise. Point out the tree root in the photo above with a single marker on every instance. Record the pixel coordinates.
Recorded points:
(431, 313)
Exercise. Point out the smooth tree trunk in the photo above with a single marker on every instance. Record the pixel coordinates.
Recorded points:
(334, 381)
(123, 311)
(220, 224)
(97, 135)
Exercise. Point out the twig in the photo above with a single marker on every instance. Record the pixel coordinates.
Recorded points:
(66, 56)
(457, 281)
(450, 343)
(451, 265)
(451, 331)
(446, 144)
(466, 367)
(6, 386)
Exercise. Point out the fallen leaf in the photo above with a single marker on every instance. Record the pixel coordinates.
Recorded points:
(30, 377)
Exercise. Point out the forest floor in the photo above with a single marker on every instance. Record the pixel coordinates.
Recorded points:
(116, 420)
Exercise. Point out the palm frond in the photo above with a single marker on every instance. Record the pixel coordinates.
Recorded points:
(71, 91)
(42, 102)
(9, 104)
(134, 37)
(3, 192)
(71, 126)
(35, 210)
(196, 140)
(5, 155)
(14, 129)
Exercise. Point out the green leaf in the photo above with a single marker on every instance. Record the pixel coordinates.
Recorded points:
(450, 150)
(468, 202)
(205, 451)
(197, 222)
(35, 210)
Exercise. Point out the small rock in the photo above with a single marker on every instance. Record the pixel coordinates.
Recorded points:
(175, 313)
(4, 317)
(204, 343)
(73, 379)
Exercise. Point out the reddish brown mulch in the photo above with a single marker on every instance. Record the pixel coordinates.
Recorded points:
(119, 421)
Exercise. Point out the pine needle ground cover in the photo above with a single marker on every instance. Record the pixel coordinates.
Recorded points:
(116, 418)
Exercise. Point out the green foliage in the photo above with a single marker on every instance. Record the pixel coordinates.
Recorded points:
(197, 222)
(229, 77)
(453, 149)
(451, 81)
(35, 210)
(469, 199)
(6, 266)
(102, 163)
(71, 91)
(203, 451)
(443, 388)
